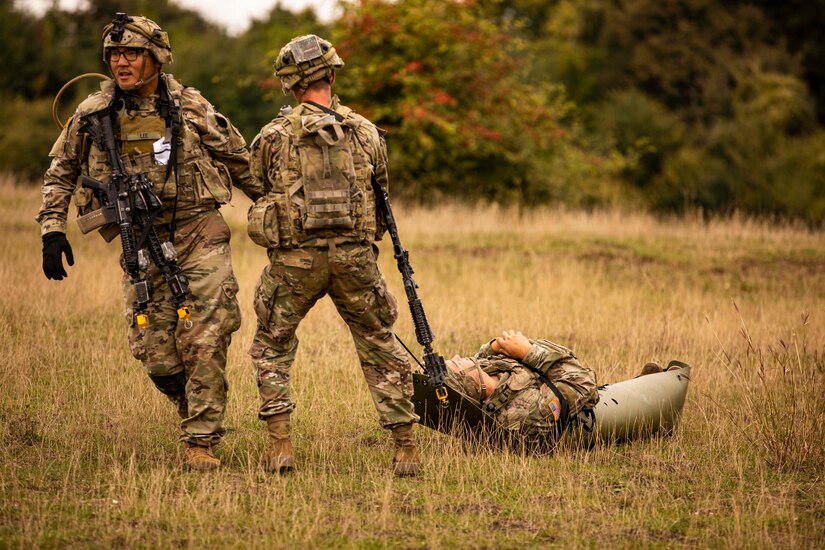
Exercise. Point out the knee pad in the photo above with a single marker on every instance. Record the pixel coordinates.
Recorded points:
(174, 384)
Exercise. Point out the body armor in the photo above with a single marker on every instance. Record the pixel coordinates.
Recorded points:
(323, 190)
(200, 183)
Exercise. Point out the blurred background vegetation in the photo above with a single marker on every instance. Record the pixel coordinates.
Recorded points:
(714, 106)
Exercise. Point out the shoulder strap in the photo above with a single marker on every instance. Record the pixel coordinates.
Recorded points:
(169, 108)
(565, 409)
(338, 116)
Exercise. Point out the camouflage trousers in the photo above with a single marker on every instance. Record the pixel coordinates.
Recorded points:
(290, 286)
(188, 364)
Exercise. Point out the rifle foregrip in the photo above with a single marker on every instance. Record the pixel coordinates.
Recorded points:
(423, 332)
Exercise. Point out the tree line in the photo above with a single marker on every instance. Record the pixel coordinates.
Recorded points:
(672, 106)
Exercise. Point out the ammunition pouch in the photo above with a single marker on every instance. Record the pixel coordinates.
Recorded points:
(263, 222)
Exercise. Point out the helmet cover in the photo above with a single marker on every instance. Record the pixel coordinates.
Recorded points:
(304, 60)
(137, 32)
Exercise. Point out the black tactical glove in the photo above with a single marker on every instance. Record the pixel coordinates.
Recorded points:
(54, 246)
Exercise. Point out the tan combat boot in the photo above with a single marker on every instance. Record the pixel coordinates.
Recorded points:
(201, 459)
(405, 460)
(278, 458)
(650, 368)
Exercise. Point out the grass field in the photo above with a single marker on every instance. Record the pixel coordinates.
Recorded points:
(89, 454)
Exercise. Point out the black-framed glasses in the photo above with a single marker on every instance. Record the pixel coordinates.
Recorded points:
(130, 55)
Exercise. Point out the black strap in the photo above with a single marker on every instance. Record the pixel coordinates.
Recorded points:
(564, 417)
(338, 116)
(170, 112)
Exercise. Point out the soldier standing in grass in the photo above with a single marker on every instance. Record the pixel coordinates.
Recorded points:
(318, 223)
(192, 155)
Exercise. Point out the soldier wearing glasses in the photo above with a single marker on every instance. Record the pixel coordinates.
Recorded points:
(193, 156)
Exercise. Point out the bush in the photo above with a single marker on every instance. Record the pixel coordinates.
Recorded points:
(448, 86)
(639, 127)
(27, 137)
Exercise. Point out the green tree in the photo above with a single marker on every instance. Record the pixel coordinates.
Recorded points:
(448, 85)
(244, 79)
(765, 159)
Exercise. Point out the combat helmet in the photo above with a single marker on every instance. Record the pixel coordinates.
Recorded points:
(137, 32)
(304, 60)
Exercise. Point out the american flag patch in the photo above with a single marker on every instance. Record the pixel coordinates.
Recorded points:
(554, 408)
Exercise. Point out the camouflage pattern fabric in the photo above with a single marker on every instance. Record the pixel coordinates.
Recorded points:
(348, 273)
(275, 161)
(300, 75)
(166, 347)
(140, 32)
(211, 159)
(526, 404)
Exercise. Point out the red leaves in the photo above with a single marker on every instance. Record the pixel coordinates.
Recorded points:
(440, 97)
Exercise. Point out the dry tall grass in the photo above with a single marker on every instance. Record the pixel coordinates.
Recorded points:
(88, 449)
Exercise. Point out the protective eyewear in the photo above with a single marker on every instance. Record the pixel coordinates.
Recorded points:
(130, 55)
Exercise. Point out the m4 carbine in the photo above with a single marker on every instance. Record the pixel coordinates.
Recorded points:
(130, 203)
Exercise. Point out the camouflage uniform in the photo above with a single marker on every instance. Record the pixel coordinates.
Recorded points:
(186, 364)
(523, 405)
(308, 262)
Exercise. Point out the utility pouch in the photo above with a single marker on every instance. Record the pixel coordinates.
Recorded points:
(212, 181)
(328, 174)
(263, 222)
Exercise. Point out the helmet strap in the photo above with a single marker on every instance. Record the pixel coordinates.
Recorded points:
(142, 80)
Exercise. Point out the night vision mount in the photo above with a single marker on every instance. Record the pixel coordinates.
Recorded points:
(119, 25)
(307, 49)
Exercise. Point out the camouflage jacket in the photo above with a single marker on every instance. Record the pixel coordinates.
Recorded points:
(280, 219)
(524, 403)
(211, 158)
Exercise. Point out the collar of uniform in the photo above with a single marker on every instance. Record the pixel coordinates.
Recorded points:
(141, 105)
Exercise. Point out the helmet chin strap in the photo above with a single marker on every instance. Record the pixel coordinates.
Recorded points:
(141, 80)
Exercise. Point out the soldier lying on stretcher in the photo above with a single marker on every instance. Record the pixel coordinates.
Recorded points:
(529, 387)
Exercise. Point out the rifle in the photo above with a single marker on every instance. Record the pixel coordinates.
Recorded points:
(433, 362)
(129, 203)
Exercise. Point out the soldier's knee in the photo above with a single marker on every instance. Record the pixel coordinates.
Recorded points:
(173, 384)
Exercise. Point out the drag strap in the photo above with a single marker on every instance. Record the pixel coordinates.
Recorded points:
(338, 116)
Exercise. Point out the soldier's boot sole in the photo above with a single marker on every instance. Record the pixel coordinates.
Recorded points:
(650, 368)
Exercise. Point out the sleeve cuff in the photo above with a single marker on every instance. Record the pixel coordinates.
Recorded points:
(49, 226)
